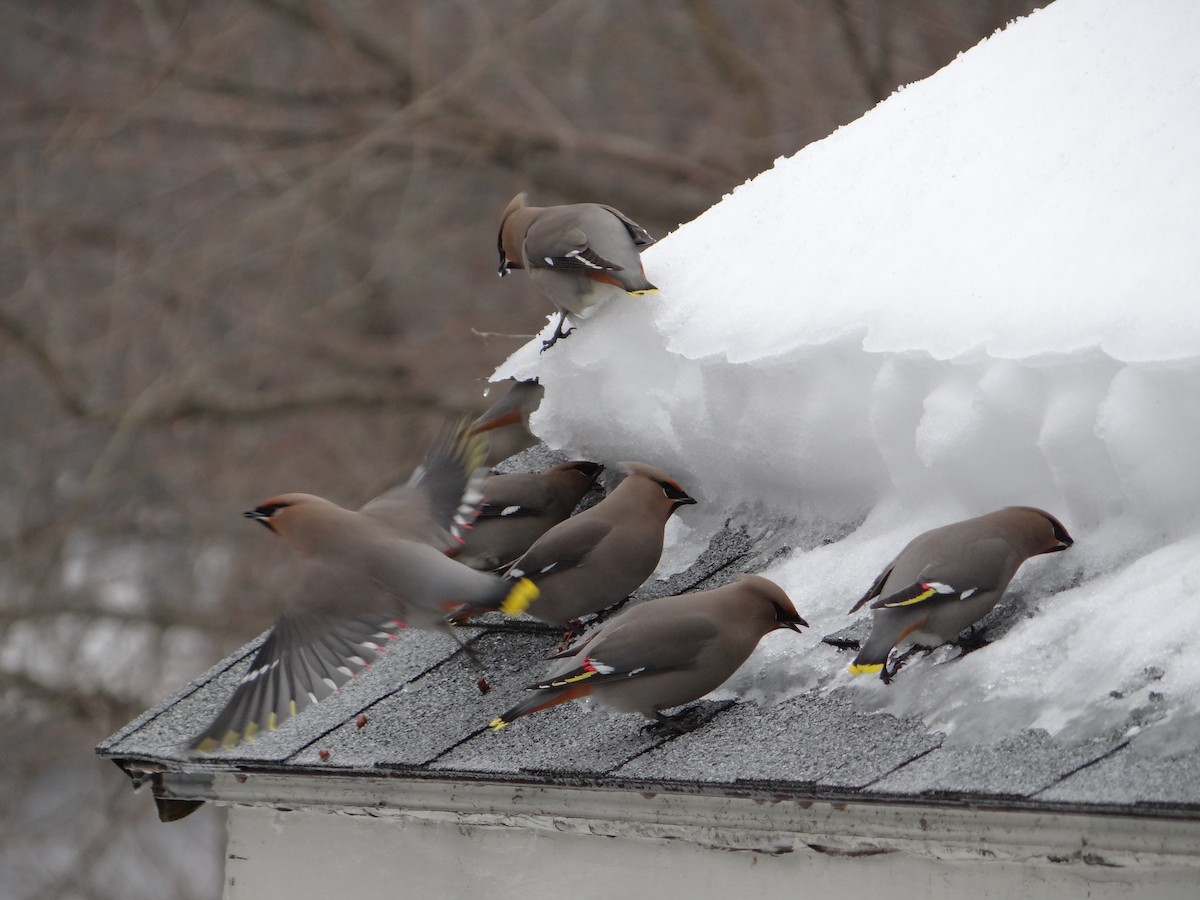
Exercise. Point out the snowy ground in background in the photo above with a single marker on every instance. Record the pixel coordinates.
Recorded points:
(983, 293)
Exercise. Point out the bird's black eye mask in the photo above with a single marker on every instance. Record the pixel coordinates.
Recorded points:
(262, 514)
(505, 265)
(676, 493)
(1060, 534)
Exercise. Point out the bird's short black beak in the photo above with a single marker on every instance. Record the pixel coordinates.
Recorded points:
(789, 619)
(675, 494)
(793, 624)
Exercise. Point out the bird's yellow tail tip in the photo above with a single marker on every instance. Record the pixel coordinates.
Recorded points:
(522, 594)
(864, 668)
(497, 724)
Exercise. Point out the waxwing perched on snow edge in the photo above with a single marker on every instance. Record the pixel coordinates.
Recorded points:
(365, 575)
(665, 652)
(506, 422)
(949, 578)
(518, 509)
(577, 255)
(605, 553)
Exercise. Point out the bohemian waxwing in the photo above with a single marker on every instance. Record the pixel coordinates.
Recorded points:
(577, 255)
(506, 422)
(602, 555)
(949, 578)
(665, 652)
(365, 575)
(518, 509)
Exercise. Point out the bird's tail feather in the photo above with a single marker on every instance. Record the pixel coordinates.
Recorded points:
(873, 655)
(518, 598)
(542, 699)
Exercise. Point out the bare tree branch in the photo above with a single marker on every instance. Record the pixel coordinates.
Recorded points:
(55, 375)
(327, 20)
(874, 75)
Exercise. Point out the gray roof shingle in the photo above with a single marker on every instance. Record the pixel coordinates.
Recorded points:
(425, 716)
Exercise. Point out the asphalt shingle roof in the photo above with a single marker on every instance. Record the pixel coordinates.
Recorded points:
(425, 716)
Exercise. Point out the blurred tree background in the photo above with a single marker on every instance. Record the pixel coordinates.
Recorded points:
(249, 247)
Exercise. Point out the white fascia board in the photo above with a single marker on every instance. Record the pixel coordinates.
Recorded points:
(763, 825)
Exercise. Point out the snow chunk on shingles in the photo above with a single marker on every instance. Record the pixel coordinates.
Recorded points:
(983, 293)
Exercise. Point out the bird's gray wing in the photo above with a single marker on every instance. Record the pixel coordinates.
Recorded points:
(564, 546)
(571, 252)
(442, 497)
(635, 647)
(305, 658)
(639, 235)
(516, 495)
(978, 565)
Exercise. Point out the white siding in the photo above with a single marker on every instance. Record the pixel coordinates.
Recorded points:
(552, 846)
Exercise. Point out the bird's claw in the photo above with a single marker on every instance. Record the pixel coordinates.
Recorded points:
(558, 335)
(574, 627)
(898, 663)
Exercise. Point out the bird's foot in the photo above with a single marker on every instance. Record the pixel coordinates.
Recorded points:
(462, 616)
(673, 726)
(465, 649)
(568, 636)
(898, 663)
(557, 336)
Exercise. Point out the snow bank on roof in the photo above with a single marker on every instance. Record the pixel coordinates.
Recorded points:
(982, 293)
(1037, 195)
